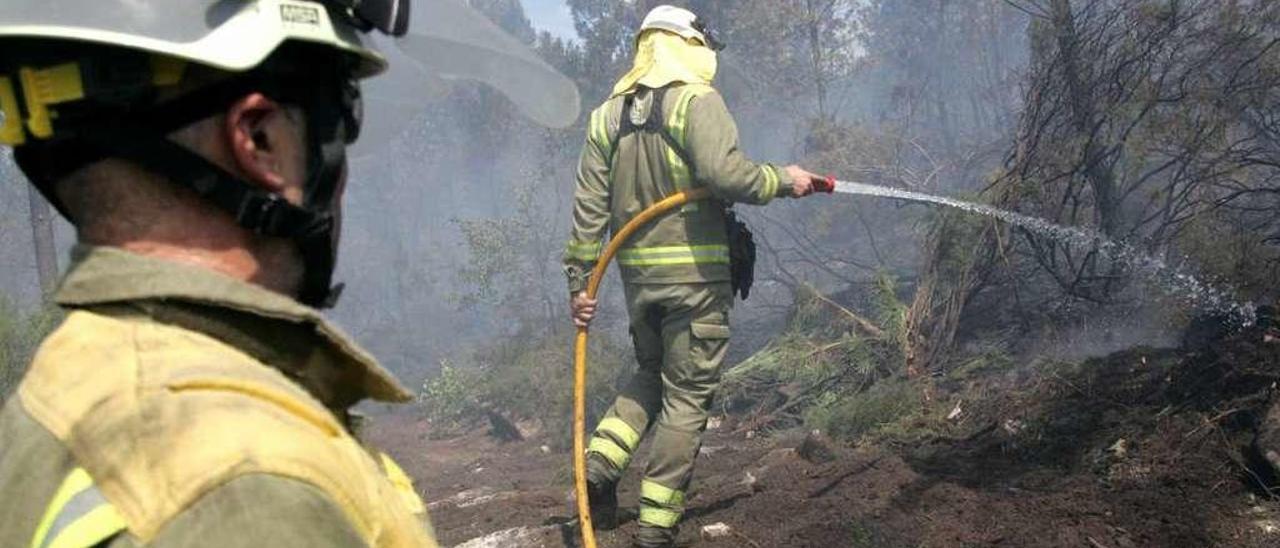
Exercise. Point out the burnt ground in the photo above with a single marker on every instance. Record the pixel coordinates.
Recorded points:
(1142, 448)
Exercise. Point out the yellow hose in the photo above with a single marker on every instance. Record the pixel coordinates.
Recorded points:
(580, 352)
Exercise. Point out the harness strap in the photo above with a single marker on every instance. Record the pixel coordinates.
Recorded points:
(673, 133)
(654, 124)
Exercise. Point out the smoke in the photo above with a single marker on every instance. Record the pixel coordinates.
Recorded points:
(917, 96)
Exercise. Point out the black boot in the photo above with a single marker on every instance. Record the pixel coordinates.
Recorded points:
(602, 496)
(649, 536)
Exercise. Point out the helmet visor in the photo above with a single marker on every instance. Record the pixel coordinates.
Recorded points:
(452, 41)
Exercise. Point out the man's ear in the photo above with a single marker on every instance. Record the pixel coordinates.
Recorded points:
(256, 127)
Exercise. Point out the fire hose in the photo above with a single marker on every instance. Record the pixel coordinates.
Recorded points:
(580, 344)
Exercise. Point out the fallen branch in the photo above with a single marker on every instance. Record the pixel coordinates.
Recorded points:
(870, 328)
(788, 405)
(1212, 422)
(824, 348)
(1235, 459)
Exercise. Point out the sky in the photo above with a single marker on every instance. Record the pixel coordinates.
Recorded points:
(552, 16)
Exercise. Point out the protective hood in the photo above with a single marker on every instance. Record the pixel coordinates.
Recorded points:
(664, 58)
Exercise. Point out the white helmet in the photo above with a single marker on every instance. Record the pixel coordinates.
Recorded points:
(682, 22)
(78, 81)
(233, 36)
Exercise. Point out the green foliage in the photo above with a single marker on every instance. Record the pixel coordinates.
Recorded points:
(862, 536)
(816, 347)
(1227, 248)
(821, 360)
(20, 334)
(850, 416)
(891, 311)
(524, 378)
(959, 240)
(792, 358)
(513, 261)
(495, 246)
(447, 398)
(980, 364)
(847, 385)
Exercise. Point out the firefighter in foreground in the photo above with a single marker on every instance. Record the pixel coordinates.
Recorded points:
(663, 130)
(194, 396)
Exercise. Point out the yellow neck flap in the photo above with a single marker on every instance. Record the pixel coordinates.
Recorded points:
(664, 58)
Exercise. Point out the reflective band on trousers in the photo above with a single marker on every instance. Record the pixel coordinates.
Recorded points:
(659, 517)
(78, 516)
(617, 455)
(677, 254)
(620, 431)
(660, 494)
(660, 505)
(583, 251)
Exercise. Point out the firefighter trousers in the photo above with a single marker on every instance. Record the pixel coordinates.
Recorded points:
(681, 335)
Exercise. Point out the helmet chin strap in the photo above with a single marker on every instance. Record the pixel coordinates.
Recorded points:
(312, 226)
(327, 144)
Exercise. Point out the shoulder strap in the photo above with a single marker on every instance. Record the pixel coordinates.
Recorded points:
(78, 516)
(656, 124)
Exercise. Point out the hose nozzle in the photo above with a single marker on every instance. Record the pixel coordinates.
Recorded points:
(827, 185)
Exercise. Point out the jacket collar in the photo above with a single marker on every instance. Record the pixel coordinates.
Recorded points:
(273, 328)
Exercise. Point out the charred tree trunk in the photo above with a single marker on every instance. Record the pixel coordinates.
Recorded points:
(1084, 118)
(963, 250)
(42, 240)
(813, 20)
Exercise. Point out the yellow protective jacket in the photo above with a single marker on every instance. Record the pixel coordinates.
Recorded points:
(175, 406)
(620, 175)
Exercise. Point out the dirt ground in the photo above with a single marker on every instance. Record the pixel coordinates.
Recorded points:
(1144, 448)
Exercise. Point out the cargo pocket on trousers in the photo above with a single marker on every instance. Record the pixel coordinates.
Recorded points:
(710, 331)
(709, 343)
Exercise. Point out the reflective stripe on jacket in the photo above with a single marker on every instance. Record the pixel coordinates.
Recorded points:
(621, 175)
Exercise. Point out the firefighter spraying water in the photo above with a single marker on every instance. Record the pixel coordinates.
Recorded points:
(665, 133)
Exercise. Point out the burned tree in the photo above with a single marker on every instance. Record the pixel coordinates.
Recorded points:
(1149, 122)
(1137, 113)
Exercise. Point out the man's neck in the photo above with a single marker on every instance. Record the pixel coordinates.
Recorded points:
(236, 261)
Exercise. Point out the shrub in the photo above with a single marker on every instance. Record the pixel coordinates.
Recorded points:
(819, 361)
(853, 415)
(525, 379)
(448, 398)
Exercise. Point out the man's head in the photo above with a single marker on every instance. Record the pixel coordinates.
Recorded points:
(682, 22)
(673, 46)
(256, 139)
(212, 132)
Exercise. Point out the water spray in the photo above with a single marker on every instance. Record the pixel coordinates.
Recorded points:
(1171, 278)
